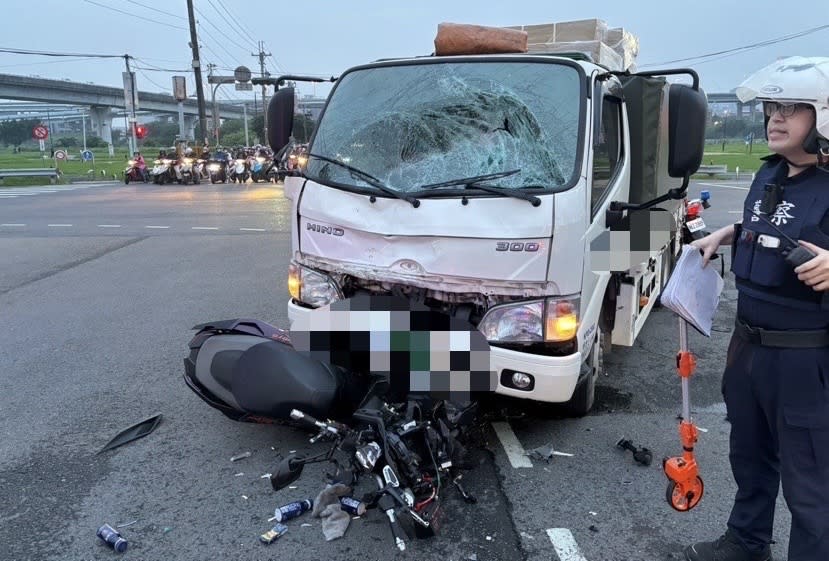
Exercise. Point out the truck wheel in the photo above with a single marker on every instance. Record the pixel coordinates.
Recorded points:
(585, 393)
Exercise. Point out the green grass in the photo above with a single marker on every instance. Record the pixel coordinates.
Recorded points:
(71, 170)
(735, 155)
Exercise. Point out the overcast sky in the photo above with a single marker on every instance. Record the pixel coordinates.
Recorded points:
(327, 37)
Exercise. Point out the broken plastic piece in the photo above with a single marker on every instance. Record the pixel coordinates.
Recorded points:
(134, 432)
(125, 525)
(241, 456)
(546, 453)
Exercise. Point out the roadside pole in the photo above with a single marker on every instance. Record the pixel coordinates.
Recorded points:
(245, 110)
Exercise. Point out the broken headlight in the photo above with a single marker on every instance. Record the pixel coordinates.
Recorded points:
(311, 287)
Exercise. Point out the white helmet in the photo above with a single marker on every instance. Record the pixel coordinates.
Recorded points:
(794, 80)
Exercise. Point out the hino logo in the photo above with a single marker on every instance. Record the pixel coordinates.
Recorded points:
(330, 230)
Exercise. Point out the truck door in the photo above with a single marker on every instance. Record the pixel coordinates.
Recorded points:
(608, 177)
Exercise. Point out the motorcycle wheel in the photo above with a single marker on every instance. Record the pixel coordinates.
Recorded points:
(126, 180)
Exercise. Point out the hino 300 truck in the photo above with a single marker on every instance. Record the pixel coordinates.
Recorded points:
(511, 190)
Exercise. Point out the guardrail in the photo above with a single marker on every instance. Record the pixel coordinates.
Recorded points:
(51, 173)
(712, 170)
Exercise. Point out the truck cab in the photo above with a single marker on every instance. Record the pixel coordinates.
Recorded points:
(510, 190)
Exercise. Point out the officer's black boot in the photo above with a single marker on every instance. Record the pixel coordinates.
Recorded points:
(725, 548)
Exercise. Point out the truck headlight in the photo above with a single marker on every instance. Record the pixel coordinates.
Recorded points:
(514, 323)
(550, 320)
(311, 287)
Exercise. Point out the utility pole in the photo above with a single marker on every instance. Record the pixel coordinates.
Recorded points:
(262, 54)
(194, 44)
(134, 145)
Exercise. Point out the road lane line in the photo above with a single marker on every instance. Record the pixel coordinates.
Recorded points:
(60, 225)
(252, 229)
(725, 186)
(12, 224)
(157, 227)
(565, 544)
(204, 228)
(515, 452)
(109, 225)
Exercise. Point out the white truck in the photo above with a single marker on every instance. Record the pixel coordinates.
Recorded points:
(491, 187)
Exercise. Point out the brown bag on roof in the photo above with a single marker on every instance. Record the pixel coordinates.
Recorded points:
(462, 39)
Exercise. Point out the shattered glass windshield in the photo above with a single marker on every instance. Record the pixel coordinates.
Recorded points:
(419, 124)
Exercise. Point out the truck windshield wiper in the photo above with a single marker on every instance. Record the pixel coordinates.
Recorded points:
(475, 182)
(368, 178)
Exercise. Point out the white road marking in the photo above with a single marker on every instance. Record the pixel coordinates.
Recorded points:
(515, 452)
(109, 225)
(565, 544)
(725, 186)
(204, 228)
(12, 224)
(252, 229)
(157, 227)
(60, 225)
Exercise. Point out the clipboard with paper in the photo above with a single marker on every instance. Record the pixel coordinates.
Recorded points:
(693, 291)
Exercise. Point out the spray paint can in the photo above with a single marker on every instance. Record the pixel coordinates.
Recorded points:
(112, 538)
(292, 510)
(352, 506)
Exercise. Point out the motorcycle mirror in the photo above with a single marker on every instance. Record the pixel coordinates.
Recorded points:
(287, 472)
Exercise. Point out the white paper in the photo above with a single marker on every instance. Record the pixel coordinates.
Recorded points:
(693, 292)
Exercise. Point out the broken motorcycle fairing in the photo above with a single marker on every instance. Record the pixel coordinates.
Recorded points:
(248, 370)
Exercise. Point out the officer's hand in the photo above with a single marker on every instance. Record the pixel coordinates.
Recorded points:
(709, 246)
(815, 272)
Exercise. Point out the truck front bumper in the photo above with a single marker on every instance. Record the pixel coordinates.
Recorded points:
(554, 377)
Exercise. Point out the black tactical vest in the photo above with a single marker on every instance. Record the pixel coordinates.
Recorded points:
(760, 270)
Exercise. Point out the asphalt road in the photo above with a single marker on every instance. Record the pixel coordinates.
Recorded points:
(99, 289)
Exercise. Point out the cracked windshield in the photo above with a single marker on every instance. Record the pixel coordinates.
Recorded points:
(415, 125)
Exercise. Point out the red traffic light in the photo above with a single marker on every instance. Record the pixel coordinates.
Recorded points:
(140, 131)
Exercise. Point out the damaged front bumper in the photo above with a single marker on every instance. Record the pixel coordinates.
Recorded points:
(554, 378)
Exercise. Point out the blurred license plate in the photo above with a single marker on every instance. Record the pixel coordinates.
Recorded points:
(695, 225)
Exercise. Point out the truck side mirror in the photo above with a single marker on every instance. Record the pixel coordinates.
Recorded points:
(687, 112)
(280, 118)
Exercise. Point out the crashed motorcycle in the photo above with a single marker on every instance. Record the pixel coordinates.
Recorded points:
(406, 444)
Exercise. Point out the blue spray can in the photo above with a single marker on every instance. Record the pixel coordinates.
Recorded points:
(112, 538)
(292, 510)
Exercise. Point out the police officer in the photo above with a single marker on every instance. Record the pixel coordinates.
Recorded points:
(776, 379)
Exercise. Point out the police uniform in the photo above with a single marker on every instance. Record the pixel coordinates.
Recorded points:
(776, 380)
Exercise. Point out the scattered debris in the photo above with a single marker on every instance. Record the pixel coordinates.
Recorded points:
(593, 528)
(240, 474)
(489, 538)
(245, 497)
(641, 455)
(273, 534)
(241, 456)
(306, 525)
(127, 524)
(167, 529)
(292, 487)
(292, 451)
(545, 453)
(473, 557)
(592, 513)
(112, 538)
(526, 535)
(266, 476)
(134, 432)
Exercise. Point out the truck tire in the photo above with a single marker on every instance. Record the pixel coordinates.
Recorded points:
(584, 395)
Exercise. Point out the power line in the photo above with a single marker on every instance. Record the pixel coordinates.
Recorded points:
(45, 62)
(155, 9)
(216, 42)
(52, 53)
(134, 15)
(232, 20)
(736, 50)
(220, 30)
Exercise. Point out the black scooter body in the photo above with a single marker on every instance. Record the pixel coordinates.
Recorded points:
(248, 370)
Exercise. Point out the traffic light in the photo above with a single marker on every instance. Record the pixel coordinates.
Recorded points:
(140, 131)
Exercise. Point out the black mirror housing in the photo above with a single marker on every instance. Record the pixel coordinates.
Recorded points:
(287, 472)
(687, 113)
(280, 118)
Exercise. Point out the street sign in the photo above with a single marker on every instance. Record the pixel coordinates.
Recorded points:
(244, 86)
(130, 96)
(179, 88)
(242, 74)
(60, 154)
(87, 155)
(40, 132)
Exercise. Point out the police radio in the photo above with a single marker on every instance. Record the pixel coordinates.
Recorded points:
(795, 255)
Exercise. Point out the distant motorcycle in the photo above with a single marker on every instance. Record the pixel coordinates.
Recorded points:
(163, 171)
(217, 171)
(238, 171)
(188, 172)
(133, 173)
